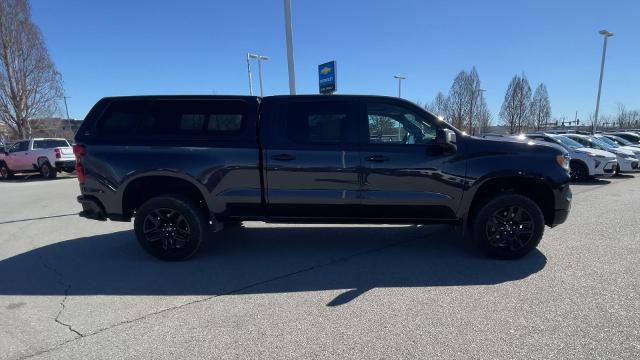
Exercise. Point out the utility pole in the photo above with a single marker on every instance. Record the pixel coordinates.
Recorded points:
(400, 78)
(289, 36)
(249, 72)
(66, 108)
(606, 35)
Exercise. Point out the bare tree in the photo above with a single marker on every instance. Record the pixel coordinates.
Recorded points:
(472, 93)
(30, 85)
(439, 105)
(515, 108)
(540, 107)
(483, 115)
(457, 100)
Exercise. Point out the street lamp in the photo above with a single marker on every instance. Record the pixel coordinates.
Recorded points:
(606, 34)
(289, 38)
(400, 78)
(260, 58)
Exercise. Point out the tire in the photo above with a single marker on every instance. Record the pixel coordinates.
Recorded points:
(508, 226)
(47, 171)
(5, 173)
(579, 172)
(178, 215)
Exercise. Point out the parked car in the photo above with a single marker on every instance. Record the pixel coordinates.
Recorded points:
(627, 135)
(585, 162)
(47, 156)
(621, 142)
(182, 165)
(634, 149)
(627, 161)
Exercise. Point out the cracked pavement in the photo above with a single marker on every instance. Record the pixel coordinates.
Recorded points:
(75, 288)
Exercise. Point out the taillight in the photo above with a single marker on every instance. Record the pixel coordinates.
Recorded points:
(56, 151)
(79, 151)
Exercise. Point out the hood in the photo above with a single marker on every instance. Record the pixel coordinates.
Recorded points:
(633, 149)
(623, 152)
(596, 152)
(515, 144)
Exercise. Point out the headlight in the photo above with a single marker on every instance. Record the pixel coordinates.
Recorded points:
(563, 161)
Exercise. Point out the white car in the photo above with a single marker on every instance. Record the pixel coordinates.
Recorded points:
(627, 161)
(621, 141)
(633, 149)
(46, 156)
(585, 162)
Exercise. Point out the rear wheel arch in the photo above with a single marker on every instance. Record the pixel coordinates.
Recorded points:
(536, 190)
(141, 189)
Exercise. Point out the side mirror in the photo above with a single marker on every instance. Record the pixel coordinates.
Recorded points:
(447, 140)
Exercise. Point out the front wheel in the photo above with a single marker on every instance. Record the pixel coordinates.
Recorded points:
(170, 227)
(508, 226)
(579, 172)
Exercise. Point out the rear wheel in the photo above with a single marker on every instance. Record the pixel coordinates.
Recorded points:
(579, 172)
(47, 171)
(5, 173)
(170, 227)
(508, 226)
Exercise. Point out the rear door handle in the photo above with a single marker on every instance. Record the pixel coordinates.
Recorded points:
(377, 158)
(283, 157)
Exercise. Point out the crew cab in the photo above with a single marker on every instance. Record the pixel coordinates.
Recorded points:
(48, 156)
(184, 166)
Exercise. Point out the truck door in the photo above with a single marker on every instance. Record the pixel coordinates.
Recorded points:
(406, 175)
(312, 158)
(17, 155)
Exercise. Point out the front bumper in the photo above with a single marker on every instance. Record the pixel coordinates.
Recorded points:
(628, 165)
(563, 198)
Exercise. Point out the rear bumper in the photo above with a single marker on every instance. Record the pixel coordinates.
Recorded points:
(65, 164)
(91, 208)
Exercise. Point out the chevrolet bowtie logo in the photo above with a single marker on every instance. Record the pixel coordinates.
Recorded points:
(325, 70)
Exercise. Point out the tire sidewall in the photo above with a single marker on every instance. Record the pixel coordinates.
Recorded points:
(193, 215)
(499, 202)
(5, 174)
(47, 171)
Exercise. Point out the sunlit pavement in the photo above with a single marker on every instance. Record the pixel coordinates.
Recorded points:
(75, 288)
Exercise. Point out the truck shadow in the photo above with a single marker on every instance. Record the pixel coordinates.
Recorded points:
(263, 260)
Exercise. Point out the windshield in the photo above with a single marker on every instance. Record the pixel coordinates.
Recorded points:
(601, 144)
(566, 142)
(618, 140)
(607, 141)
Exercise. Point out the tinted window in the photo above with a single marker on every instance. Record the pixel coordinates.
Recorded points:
(390, 124)
(320, 123)
(122, 116)
(20, 146)
(195, 116)
(49, 143)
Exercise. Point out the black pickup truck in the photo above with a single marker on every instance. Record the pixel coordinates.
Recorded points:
(184, 166)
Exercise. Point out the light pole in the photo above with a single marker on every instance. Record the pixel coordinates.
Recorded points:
(259, 58)
(400, 78)
(66, 108)
(249, 72)
(606, 34)
(289, 36)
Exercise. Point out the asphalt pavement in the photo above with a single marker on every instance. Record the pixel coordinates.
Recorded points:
(72, 288)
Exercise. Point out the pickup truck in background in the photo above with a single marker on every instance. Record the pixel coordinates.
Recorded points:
(184, 166)
(47, 156)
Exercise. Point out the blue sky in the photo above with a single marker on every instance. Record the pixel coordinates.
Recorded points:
(119, 47)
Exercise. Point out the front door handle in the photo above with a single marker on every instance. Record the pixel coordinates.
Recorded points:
(377, 158)
(283, 157)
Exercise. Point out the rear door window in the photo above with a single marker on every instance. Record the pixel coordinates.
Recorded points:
(320, 123)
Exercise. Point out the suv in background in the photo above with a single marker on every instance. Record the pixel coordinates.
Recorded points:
(48, 156)
(585, 162)
(627, 160)
(632, 137)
